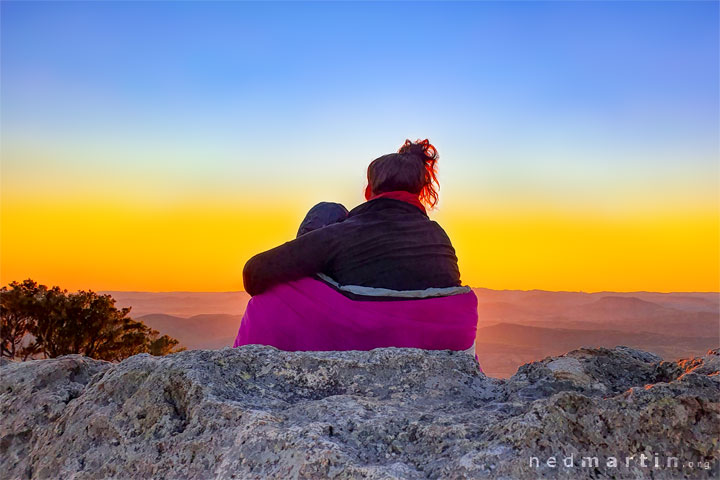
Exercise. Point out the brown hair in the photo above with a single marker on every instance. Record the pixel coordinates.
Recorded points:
(413, 169)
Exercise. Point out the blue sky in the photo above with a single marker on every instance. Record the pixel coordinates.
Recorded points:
(481, 78)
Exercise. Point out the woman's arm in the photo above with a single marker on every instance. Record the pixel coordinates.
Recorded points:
(304, 256)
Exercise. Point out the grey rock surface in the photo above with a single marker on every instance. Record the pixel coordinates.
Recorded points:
(257, 412)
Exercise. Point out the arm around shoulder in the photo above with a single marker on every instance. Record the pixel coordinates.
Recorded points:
(304, 256)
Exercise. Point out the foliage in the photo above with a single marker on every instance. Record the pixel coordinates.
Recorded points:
(62, 323)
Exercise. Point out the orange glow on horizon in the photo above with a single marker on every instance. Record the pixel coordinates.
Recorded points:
(194, 247)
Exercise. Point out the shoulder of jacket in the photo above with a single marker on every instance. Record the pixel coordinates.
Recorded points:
(439, 228)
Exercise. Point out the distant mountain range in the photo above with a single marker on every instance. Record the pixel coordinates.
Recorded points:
(181, 304)
(503, 347)
(515, 326)
(204, 331)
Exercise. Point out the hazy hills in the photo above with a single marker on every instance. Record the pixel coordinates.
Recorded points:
(199, 332)
(515, 326)
(505, 346)
(181, 304)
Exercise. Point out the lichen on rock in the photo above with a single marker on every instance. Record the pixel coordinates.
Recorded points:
(257, 412)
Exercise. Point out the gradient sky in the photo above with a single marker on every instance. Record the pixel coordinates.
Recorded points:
(157, 146)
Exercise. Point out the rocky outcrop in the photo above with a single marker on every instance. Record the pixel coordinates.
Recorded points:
(256, 412)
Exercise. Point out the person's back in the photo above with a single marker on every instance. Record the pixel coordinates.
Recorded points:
(314, 292)
(384, 243)
(387, 242)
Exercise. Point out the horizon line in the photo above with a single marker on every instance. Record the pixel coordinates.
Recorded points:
(474, 288)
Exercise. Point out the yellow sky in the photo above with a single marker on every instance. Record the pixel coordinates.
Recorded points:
(200, 247)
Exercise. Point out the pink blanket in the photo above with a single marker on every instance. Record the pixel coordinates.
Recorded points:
(307, 314)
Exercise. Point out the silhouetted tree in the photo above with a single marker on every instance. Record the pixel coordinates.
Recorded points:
(82, 322)
(16, 314)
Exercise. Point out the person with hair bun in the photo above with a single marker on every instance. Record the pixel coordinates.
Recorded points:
(380, 275)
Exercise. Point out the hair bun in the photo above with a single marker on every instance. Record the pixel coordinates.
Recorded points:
(420, 148)
(428, 155)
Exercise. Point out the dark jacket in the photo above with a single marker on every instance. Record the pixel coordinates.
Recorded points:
(384, 243)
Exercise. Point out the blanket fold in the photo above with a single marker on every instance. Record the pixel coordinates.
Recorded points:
(308, 314)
